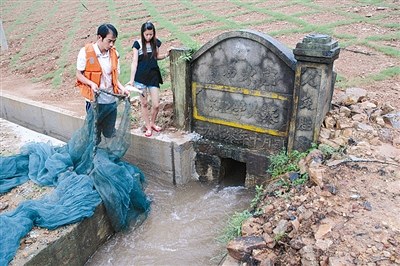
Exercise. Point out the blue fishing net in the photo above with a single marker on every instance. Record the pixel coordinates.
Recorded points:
(86, 171)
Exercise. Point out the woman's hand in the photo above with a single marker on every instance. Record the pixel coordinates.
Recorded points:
(131, 88)
(166, 54)
(124, 91)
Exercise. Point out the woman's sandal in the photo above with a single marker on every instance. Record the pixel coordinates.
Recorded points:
(156, 128)
(148, 133)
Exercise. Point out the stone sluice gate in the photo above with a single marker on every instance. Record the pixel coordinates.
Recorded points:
(249, 96)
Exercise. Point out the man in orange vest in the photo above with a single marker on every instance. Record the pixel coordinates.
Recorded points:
(98, 69)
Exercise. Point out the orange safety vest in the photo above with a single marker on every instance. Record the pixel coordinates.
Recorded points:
(93, 71)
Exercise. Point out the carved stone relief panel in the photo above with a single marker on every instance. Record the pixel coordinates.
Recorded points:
(263, 143)
(241, 108)
(308, 98)
(244, 63)
(307, 107)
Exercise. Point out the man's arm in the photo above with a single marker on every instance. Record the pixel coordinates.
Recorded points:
(80, 69)
(122, 89)
(85, 80)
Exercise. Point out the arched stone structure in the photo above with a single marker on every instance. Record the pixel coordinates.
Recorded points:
(249, 96)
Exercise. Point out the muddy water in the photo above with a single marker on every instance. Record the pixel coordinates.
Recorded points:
(181, 229)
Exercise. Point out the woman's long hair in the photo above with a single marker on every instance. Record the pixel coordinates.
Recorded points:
(153, 42)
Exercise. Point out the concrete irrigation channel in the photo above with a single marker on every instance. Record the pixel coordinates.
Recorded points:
(168, 157)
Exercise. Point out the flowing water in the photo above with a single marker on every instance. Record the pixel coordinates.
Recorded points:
(181, 229)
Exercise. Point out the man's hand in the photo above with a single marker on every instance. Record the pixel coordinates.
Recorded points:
(94, 87)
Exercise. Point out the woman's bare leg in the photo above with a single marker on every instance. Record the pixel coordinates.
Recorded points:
(155, 106)
(145, 111)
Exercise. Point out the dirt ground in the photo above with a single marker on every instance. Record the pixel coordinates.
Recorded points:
(358, 221)
(33, 55)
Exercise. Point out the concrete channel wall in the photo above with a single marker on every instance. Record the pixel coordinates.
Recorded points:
(168, 156)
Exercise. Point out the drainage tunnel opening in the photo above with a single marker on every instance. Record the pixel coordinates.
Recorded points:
(233, 173)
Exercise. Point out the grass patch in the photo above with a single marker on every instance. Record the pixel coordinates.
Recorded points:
(165, 86)
(344, 44)
(182, 16)
(176, 11)
(328, 151)
(386, 37)
(372, 2)
(391, 25)
(127, 36)
(187, 56)
(194, 22)
(345, 36)
(258, 196)
(343, 23)
(221, 28)
(183, 37)
(386, 73)
(237, 14)
(285, 162)
(278, 237)
(234, 226)
(207, 14)
(276, 15)
(341, 81)
(133, 17)
(125, 72)
(384, 49)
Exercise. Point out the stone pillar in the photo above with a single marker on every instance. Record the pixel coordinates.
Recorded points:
(313, 88)
(180, 85)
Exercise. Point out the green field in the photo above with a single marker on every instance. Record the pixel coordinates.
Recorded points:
(45, 36)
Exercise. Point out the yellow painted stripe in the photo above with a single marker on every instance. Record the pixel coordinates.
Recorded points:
(230, 123)
(258, 93)
(242, 126)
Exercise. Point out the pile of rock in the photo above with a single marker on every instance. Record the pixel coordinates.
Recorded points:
(311, 224)
(358, 122)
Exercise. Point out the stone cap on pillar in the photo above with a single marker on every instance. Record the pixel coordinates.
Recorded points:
(318, 48)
